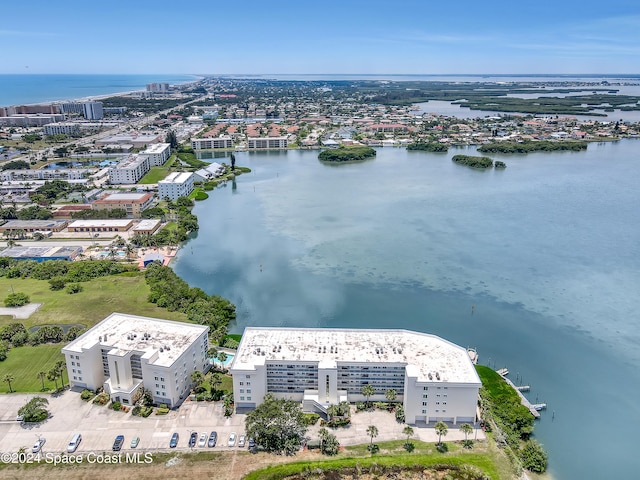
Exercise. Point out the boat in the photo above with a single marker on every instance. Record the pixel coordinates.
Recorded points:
(539, 406)
(502, 372)
(473, 355)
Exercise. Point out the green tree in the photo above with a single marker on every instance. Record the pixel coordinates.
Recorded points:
(197, 378)
(467, 429)
(391, 395)
(408, 431)
(34, 410)
(329, 444)
(60, 367)
(52, 376)
(441, 430)
(368, 391)
(16, 299)
(277, 424)
(8, 378)
(222, 357)
(533, 456)
(372, 431)
(42, 375)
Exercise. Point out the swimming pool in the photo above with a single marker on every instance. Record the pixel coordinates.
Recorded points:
(227, 361)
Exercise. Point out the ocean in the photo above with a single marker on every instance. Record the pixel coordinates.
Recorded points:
(545, 251)
(19, 89)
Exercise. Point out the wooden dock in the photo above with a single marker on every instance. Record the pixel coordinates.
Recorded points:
(523, 399)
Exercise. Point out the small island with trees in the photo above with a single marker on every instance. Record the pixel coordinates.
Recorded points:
(347, 154)
(428, 147)
(530, 146)
(473, 162)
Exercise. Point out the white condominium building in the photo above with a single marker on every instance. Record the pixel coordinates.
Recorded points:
(175, 185)
(433, 378)
(92, 110)
(124, 353)
(211, 143)
(158, 153)
(129, 171)
(267, 142)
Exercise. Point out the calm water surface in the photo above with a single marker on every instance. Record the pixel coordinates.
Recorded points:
(546, 251)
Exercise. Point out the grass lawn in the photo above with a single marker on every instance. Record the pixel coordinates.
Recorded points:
(24, 363)
(154, 175)
(351, 457)
(99, 298)
(494, 383)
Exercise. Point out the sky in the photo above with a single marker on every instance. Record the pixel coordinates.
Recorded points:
(304, 37)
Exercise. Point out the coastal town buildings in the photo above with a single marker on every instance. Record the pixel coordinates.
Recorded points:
(434, 378)
(125, 353)
(157, 154)
(260, 143)
(224, 141)
(92, 110)
(176, 185)
(129, 170)
(134, 203)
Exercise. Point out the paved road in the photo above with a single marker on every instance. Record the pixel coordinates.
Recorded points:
(99, 426)
(21, 312)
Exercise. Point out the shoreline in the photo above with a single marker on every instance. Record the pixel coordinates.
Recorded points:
(101, 96)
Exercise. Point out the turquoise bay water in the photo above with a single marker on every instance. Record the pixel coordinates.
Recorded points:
(545, 251)
(17, 89)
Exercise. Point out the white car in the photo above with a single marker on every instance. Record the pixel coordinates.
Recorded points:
(241, 440)
(203, 440)
(38, 445)
(232, 439)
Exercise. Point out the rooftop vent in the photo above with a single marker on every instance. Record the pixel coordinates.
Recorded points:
(438, 375)
(161, 350)
(430, 376)
(100, 338)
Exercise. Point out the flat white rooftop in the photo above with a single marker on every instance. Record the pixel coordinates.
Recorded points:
(177, 177)
(427, 354)
(156, 148)
(100, 223)
(124, 333)
(148, 224)
(125, 197)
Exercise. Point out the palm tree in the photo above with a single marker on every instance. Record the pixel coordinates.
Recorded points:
(215, 380)
(222, 357)
(372, 431)
(212, 352)
(42, 375)
(391, 395)
(408, 431)
(441, 430)
(8, 378)
(52, 376)
(368, 391)
(60, 367)
(466, 428)
(197, 378)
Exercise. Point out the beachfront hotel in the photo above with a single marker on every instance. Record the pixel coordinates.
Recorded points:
(433, 378)
(124, 353)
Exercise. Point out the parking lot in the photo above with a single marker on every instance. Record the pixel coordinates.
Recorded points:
(99, 426)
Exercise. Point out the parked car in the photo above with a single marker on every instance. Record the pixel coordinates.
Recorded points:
(73, 444)
(192, 439)
(203, 440)
(232, 439)
(213, 438)
(251, 444)
(241, 441)
(174, 440)
(38, 445)
(135, 441)
(117, 443)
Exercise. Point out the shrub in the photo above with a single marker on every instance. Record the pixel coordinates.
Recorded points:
(533, 456)
(311, 418)
(87, 395)
(400, 414)
(101, 399)
(360, 406)
(163, 409)
(73, 288)
(16, 300)
(116, 406)
(467, 443)
(57, 283)
(338, 422)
